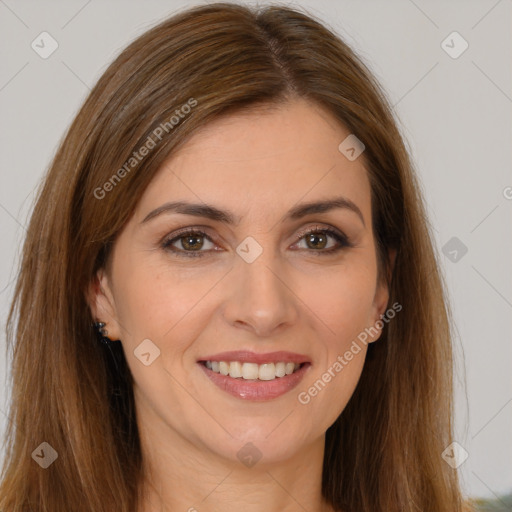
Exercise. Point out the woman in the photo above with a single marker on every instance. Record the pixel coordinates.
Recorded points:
(229, 296)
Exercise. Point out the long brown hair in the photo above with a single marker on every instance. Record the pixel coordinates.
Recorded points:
(383, 453)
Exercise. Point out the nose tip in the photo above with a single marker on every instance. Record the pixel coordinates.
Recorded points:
(260, 299)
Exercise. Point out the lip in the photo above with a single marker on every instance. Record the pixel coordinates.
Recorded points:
(246, 356)
(253, 389)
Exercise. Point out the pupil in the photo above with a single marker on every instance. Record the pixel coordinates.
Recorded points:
(194, 242)
(188, 242)
(314, 236)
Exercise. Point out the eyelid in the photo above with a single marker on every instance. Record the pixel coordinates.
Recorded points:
(338, 235)
(168, 240)
(324, 228)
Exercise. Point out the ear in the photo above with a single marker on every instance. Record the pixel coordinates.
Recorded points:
(381, 300)
(100, 298)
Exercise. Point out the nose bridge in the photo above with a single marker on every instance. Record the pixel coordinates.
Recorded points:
(260, 297)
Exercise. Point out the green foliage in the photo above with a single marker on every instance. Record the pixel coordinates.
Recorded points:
(501, 504)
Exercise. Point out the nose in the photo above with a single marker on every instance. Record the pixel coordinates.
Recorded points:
(259, 298)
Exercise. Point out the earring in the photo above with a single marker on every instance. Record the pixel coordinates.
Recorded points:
(102, 332)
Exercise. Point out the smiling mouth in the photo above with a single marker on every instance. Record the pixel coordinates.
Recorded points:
(253, 371)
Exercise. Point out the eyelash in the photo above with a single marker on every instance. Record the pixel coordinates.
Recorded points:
(342, 240)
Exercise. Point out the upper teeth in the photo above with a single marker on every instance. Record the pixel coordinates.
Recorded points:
(267, 371)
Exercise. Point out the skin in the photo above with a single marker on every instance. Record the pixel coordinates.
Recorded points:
(258, 165)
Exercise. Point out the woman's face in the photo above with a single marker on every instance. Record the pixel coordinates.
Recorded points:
(253, 285)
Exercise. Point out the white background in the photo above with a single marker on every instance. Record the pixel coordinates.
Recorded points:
(455, 115)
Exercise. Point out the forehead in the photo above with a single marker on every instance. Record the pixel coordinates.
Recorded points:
(262, 162)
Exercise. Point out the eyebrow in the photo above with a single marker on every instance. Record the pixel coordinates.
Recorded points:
(227, 217)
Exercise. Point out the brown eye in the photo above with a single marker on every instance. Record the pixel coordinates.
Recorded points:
(192, 243)
(189, 243)
(317, 240)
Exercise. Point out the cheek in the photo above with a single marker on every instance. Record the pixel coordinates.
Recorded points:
(153, 300)
(156, 301)
(342, 299)
(344, 304)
